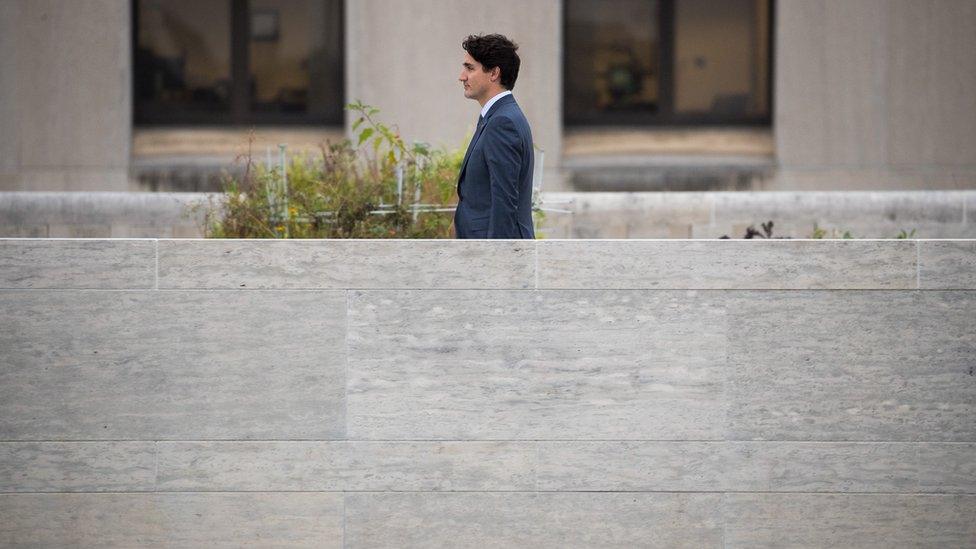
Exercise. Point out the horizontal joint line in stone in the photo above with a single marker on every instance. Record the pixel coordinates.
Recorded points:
(732, 492)
(483, 440)
(491, 289)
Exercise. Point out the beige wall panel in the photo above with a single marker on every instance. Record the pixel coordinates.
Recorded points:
(800, 88)
(854, 84)
(9, 135)
(886, 88)
(932, 83)
(74, 89)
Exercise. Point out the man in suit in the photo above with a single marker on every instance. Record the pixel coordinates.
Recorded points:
(495, 182)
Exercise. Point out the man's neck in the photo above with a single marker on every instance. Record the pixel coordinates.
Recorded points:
(492, 100)
(491, 95)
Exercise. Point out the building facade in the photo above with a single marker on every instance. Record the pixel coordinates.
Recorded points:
(621, 94)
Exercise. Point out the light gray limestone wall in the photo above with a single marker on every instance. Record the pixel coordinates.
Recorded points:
(65, 95)
(160, 393)
(875, 94)
(405, 58)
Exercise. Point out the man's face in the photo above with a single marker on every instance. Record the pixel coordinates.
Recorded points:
(477, 83)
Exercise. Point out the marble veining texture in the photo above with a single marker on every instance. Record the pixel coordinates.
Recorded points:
(535, 365)
(740, 264)
(337, 264)
(98, 264)
(563, 466)
(877, 521)
(947, 264)
(533, 520)
(171, 520)
(885, 366)
(170, 365)
(77, 466)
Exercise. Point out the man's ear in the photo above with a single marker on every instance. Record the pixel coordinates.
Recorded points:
(495, 73)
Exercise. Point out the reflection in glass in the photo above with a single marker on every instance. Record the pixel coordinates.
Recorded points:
(182, 56)
(612, 47)
(295, 57)
(238, 61)
(667, 61)
(721, 60)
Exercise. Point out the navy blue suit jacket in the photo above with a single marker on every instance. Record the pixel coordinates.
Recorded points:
(495, 183)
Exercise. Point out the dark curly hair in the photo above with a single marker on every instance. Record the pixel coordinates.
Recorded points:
(494, 50)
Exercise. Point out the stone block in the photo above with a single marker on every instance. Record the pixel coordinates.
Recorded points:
(535, 365)
(633, 466)
(169, 365)
(947, 265)
(864, 467)
(544, 520)
(754, 264)
(426, 264)
(346, 466)
(96, 264)
(856, 366)
(77, 466)
(849, 520)
(308, 519)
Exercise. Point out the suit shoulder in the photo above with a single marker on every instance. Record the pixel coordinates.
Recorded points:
(511, 116)
(505, 121)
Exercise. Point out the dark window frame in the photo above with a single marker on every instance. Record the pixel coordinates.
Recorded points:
(666, 116)
(239, 113)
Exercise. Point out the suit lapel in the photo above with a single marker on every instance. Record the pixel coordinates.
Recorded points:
(474, 139)
(477, 135)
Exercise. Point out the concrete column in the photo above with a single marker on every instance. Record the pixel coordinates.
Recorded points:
(65, 95)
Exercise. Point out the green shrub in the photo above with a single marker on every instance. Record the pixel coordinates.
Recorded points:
(348, 190)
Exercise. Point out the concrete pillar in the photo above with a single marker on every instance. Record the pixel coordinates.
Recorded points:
(65, 95)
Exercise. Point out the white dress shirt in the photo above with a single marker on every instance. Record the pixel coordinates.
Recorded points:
(484, 110)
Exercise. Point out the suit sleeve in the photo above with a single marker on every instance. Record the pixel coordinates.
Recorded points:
(503, 154)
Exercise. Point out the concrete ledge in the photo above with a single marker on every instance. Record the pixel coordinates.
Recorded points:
(931, 214)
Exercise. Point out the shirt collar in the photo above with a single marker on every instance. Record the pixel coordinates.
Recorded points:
(484, 110)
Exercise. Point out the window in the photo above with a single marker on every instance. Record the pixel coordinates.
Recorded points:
(238, 61)
(667, 62)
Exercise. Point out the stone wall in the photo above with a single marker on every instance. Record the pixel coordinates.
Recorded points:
(862, 214)
(487, 393)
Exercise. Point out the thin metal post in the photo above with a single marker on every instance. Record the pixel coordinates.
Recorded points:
(399, 176)
(282, 157)
(417, 170)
